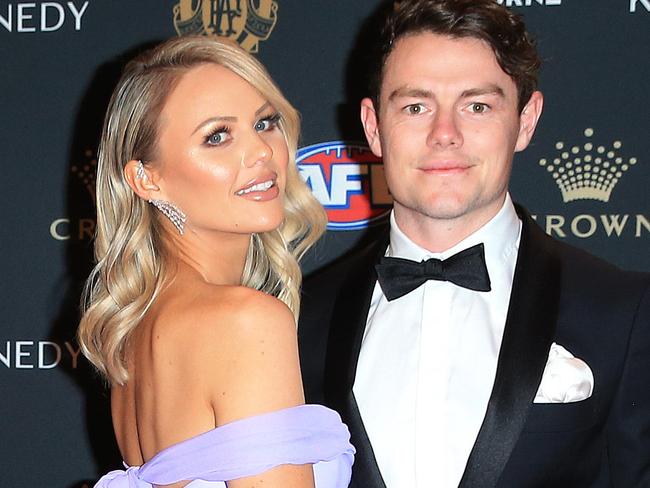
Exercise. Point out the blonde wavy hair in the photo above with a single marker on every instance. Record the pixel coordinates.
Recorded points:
(132, 266)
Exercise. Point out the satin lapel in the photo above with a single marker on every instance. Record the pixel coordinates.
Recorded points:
(529, 331)
(365, 472)
(344, 344)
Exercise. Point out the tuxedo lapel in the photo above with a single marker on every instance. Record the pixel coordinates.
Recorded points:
(344, 343)
(527, 337)
(365, 472)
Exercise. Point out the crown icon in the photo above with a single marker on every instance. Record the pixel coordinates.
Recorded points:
(87, 172)
(586, 170)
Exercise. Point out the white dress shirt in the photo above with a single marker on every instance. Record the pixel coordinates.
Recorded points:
(428, 361)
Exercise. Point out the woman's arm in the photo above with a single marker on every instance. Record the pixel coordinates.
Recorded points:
(249, 365)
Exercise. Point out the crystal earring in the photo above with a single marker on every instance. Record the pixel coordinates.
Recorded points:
(172, 212)
(139, 171)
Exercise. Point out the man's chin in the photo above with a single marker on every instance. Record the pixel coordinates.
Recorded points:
(457, 209)
(448, 208)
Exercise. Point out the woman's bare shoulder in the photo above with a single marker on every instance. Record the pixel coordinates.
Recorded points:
(240, 346)
(219, 313)
(217, 309)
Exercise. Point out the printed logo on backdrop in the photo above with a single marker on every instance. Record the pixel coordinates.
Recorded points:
(246, 21)
(529, 3)
(640, 5)
(348, 180)
(64, 228)
(24, 17)
(634, 5)
(35, 354)
(590, 169)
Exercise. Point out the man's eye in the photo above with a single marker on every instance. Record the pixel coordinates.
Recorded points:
(415, 109)
(478, 108)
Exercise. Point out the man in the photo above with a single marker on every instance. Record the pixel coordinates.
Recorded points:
(506, 358)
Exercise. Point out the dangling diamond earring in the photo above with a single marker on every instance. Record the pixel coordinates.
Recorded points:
(139, 171)
(172, 212)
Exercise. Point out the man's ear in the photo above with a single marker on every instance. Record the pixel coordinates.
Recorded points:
(528, 120)
(370, 123)
(141, 180)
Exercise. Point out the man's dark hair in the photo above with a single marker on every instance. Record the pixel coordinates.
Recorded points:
(485, 20)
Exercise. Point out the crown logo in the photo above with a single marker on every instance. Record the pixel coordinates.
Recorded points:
(87, 172)
(587, 171)
(246, 21)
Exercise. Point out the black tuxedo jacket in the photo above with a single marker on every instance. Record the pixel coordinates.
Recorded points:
(560, 294)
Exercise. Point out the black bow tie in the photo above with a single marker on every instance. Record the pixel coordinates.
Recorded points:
(398, 276)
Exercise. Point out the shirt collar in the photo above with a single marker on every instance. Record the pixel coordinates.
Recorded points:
(500, 236)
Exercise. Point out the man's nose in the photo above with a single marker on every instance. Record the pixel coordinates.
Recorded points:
(444, 130)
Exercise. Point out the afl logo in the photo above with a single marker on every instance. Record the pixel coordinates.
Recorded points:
(348, 179)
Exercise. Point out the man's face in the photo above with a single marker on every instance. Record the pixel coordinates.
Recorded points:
(447, 129)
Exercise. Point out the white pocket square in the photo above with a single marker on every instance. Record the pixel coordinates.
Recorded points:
(566, 378)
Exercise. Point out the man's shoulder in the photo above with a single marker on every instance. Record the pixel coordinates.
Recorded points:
(361, 258)
(580, 265)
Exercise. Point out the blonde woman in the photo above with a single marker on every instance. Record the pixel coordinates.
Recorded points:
(190, 311)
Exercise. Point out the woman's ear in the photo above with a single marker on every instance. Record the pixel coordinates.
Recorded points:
(141, 179)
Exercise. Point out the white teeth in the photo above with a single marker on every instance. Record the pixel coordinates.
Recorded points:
(259, 187)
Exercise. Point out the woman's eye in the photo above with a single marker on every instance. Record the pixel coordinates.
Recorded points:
(262, 125)
(267, 123)
(218, 137)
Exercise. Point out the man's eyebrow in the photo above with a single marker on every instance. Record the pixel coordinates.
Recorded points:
(486, 90)
(410, 92)
(211, 120)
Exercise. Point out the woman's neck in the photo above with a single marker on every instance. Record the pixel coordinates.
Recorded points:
(218, 257)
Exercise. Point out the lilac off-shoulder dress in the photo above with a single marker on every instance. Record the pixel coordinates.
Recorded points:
(307, 434)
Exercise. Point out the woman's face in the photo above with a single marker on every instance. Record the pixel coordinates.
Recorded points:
(221, 155)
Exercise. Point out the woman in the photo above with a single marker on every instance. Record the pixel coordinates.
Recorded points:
(190, 311)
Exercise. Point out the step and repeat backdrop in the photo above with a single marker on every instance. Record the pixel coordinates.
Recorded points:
(60, 61)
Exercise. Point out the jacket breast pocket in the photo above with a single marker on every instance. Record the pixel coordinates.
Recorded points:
(561, 417)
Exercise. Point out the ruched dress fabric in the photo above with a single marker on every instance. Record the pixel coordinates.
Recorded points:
(306, 434)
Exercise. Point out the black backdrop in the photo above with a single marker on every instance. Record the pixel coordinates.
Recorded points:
(60, 60)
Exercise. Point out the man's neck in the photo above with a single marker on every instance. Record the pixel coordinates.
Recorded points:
(437, 234)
